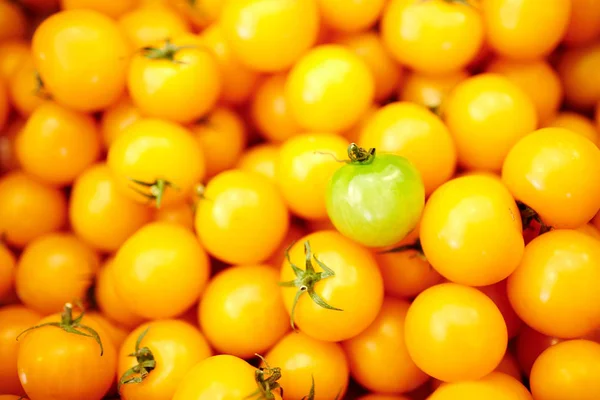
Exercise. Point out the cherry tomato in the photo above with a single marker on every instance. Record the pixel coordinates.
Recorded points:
(260, 159)
(13, 23)
(270, 111)
(112, 9)
(173, 81)
(576, 68)
(510, 384)
(116, 118)
(554, 171)
(345, 91)
(350, 16)
(57, 144)
(222, 136)
(243, 299)
(112, 219)
(225, 376)
(303, 359)
(577, 123)
(498, 294)
(375, 199)
(200, 13)
(434, 36)
(369, 47)
(511, 26)
(464, 209)
(147, 25)
(487, 114)
(529, 344)
(430, 91)
(7, 271)
(26, 89)
(13, 52)
(82, 59)
(537, 79)
(166, 349)
(181, 214)
(13, 320)
(54, 269)
(473, 339)
(584, 24)
(29, 209)
(268, 35)
(238, 81)
(378, 357)
(109, 301)
(175, 271)
(67, 365)
(569, 369)
(473, 390)
(241, 218)
(156, 160)
(305, 166)
(541, 289)
(411, 131)
(340, 302)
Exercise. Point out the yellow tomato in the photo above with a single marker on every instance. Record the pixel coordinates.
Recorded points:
(350, 15)
(146, 25)
(116, 118)
(577, 123)
(261, 159)
(430, 91)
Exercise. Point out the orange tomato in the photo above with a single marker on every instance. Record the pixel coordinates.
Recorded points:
(576, 123)
(487, 114)
(112, 9)
(241, 218)
(569, 369)
(412, 131)
(541, 289)
(82, 59)
(473, 390)
(57, 144)
(464, 209)
(576, 68)
(553, 171)
(387, 74)
(174, 81)
(270, 36)
(112, 218)
(54, 269)
(511, 26)
(116, 118)
(29, 209)
(498, 294)
(260, 159)
(306, 164)
(345, 91)
(243, 299)
(12, 53)
(172, 258)
(26, 89)
(181, 214)
(271, 112)
(529, 344)
(474, 335)
(13, 320)
(537, 79)
(432, 36)
(430, 91)
(175, 347)
(350, 16)
(238, 81)
(222, 137)
(147, 25)
(584, 24)
(303, 359)
(378, 356)
(13, 23)
(510, 384)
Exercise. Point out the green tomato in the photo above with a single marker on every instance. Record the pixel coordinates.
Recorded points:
(375, 200)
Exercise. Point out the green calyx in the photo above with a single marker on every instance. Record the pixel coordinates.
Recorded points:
(166, 52)
(415, 246)
(145, 363)
(153, 191)
(306, 279)
(311, 393)
(358, 155)
(266, 379)
(529, 215)
(70, 325)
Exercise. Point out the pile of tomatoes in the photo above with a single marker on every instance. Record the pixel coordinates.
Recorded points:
(300, 199)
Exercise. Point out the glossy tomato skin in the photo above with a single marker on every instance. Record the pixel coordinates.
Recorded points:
(378, 202)
(220, 377)
(14, 319)
(378, 356)
(301, 358)
(176, 347)
(356, 288)
(570, 369)
(350, 16)
(260, 159)
(553, 171)
(148, 24)
(174, 273)
(473, 339)
(464, 209)
(472, 390)
(56, 365)
(542, 291)
(82, 59)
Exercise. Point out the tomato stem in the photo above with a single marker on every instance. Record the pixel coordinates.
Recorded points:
(70, 325)
(156, 190)
(529, 215)
(359, 155)
(306, 279)
(167, 52)
(146, 363)
(266, 380)
(311, 393)
(40, 89)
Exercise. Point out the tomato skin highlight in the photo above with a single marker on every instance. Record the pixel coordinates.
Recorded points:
(376, 203)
